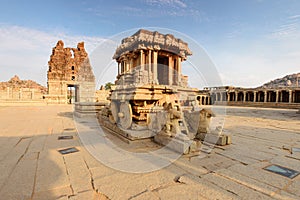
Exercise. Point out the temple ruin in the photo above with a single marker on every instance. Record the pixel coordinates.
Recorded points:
(70, 75)
(21, 90)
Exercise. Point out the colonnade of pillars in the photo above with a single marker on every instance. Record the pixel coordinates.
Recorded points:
(148, 60)
(203, 100)
(276, 96)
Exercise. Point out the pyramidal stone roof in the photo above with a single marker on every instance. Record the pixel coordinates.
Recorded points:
(144, 39)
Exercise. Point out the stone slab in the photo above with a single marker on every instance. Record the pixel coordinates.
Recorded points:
(173, 143)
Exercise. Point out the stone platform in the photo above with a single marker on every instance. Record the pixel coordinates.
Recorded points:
(88, 109)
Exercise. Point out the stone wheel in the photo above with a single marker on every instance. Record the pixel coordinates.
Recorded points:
(114, 110)
(125, 115)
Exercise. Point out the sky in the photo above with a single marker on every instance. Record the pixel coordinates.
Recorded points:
(250, 42)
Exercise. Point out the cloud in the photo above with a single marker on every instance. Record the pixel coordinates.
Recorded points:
(290, 28)
(26, 51)
(169, 3)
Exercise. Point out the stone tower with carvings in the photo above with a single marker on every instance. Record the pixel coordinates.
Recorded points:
(70, 75)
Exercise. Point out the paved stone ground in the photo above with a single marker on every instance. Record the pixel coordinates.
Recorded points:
(32, 168)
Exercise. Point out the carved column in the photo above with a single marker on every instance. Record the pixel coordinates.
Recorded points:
(265, 96)
(149, 61)
(142, 62)
(155, 66)
(281, 96)
(228, 96)
(236, 96)
(244, 96)
(130, 64)
(122, 67)
(254, 96)
(277, 96)
(170, 70)
(179, 70)
(127, 65)
(290, 96)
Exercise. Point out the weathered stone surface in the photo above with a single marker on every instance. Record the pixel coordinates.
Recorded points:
(22, 90)
(70, 67)
(153, 40)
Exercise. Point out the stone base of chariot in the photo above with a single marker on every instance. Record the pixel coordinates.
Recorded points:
(298, 111)
(137, 134)
(180, 143)
(220, 140)
(87, 109)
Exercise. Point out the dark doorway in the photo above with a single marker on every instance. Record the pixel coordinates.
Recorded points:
(260, 96)
(297, 96)
(72, 94)
(240, 96)
(163, 70)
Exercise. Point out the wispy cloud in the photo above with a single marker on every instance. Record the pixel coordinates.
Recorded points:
(26, 51)
(169, 3)
(173, 8)
(290, 28)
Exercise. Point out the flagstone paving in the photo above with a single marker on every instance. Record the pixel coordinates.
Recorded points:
(32, 168)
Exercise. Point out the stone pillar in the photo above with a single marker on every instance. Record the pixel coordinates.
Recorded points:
(142, 62)
(254, 96)
(122, 67)
(265, 96)
(204, 102)
(127, 66)
(236, 96)
(290, 96)
(170, 70)
(149, 61)
(155, 66)
(244, 96)
(130, 64)
(277, 96)
(179, 70)
(228, 96)
(281, 96)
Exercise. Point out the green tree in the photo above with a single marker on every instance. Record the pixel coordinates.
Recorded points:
(108, 85)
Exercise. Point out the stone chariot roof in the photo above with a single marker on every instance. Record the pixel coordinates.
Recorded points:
(144, 39)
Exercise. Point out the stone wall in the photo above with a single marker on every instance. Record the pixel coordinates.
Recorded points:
(21, 90)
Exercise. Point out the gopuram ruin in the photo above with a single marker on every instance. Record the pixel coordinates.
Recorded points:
(70, 75)
(152, 96)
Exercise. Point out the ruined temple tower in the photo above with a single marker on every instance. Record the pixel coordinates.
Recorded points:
(70, 75)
